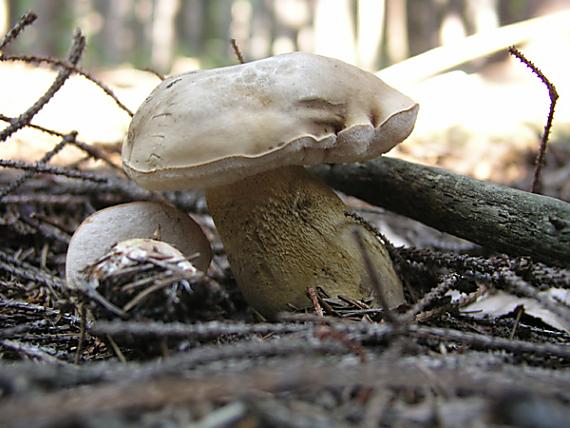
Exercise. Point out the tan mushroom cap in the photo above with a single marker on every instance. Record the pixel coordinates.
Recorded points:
(213, 127)
(144, 220)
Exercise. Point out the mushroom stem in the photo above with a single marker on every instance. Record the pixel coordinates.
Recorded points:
(284, 231)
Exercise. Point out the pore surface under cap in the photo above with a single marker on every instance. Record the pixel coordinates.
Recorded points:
(212, 127)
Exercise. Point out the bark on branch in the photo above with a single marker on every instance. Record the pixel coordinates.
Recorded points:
(495, 216)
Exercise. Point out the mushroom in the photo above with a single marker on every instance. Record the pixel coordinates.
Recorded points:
(128, 253)
(131, 227)
(243, 133)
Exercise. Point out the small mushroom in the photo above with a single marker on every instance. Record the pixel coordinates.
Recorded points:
(125, 254)
(145, 279)
(244, 133)
(134, 225)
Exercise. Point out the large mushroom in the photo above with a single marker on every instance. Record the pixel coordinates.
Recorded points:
(243, 133)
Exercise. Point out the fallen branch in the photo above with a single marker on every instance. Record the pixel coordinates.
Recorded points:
(443, 58)
(495, 216)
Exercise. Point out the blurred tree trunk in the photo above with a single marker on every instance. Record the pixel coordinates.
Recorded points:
(216, 25)
(452, 26)
(424, 17)
(261, 29)
(163, 33)
(370, 24)
(4, 16)
(290, 16)
(190, 30)
(334, 30)
(117, 37)
(47, 26)
(397, 45)
(240, 26)
(511, 11)
(482, 15)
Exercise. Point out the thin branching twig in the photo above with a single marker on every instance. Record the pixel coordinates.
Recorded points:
(448, 282)
(93, 152)
(31, 171)
(25, 118)
(28, 272)
(312, 293)
(44, 199)
(538, 274)
(517, 285)
(158, 74)
(12, 34)
(43, 168)
(31, 59)
(237, 51)
(32, 351)
(553, 95)
(375, 279)
(490, 342)
(205, 330)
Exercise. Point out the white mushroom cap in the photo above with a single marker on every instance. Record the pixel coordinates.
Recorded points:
(145, 220)
(213, 127)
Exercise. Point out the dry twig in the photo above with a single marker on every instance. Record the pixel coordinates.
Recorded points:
(237, 51)
(92, 151)
(553, 95)
(72, 68)
(25, 20)
(375, 281)
(25, 118)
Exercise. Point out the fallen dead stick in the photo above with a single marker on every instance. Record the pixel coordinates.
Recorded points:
(478, 45)
(498, 217)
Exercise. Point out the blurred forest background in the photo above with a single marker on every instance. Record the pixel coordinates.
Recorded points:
(160, 34)
(482, 112)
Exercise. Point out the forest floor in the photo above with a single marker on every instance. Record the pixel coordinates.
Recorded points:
(437, 362)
